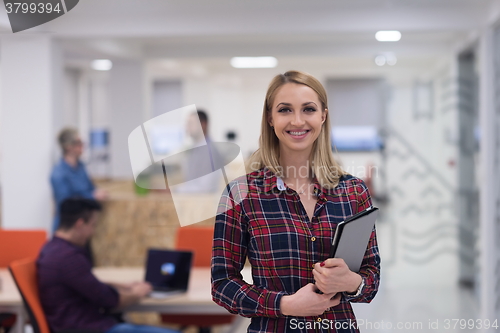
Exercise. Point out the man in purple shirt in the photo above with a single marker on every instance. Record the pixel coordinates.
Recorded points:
(71, 296)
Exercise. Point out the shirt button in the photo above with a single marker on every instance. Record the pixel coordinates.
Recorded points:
(312, 265)
(318, 320)
(313, 238)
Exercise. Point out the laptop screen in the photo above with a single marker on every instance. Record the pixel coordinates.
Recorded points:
(168, 269)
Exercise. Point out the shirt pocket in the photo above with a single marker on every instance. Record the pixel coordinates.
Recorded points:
(278, 244)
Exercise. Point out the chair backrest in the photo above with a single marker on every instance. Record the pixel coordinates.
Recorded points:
(199, 240)
(24, 273)
(20, 244)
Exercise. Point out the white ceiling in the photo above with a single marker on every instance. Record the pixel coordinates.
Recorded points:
(223, 28)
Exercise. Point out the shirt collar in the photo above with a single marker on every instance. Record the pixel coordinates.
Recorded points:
(280, 184)
(272, 181)
(66, 165)
(62, 240)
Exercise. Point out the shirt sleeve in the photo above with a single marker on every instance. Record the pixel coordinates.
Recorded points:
(90, 185)
(60, 188)
(78, 276)
(63, 188)
(370, 267)
(229, 290)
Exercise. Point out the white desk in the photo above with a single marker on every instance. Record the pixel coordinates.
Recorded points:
(10, 300)
(197, 300)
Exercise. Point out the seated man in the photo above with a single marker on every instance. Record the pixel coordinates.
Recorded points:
(71, 295)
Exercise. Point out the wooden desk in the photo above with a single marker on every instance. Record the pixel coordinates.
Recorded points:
(197, 300)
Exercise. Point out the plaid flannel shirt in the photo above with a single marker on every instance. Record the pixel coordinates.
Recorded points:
(262, 219)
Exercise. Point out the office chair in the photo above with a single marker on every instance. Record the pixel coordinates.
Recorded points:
(24, 273)
(20, 244)
(199, 240)
(14, 245)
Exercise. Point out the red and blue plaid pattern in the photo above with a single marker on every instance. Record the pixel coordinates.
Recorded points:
(257, 220)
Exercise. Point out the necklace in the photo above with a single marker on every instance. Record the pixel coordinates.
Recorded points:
(296, 190)
(302, 191)
(314, 192)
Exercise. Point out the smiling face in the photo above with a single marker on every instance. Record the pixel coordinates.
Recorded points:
(297, 116)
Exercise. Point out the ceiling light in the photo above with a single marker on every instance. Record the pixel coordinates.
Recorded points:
(380, 60)
(388, 36)
(101, 64)
(386, 58)
(254, 62)
(391, 59)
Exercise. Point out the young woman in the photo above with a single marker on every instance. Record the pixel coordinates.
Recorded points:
(282, 217)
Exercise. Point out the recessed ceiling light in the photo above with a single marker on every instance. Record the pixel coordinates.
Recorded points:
(380, 60)
(101, 64)
(388, 35)
(254, 62)
(386, 58)
(391, 59)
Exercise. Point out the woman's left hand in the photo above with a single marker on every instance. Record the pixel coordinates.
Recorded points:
(333, 276)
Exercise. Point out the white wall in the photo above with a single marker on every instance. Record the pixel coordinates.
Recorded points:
(69, 115)
(422, 184)
(356, 102)
(31, 93)
(126, 111)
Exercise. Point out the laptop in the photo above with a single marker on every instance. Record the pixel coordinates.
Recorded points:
(168, 271)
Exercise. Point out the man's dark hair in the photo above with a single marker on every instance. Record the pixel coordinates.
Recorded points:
(73, 209)
(203, 116)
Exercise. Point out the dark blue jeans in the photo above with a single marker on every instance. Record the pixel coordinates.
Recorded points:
(131, 328)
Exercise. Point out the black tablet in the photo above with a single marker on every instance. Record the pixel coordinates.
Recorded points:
(352, 236)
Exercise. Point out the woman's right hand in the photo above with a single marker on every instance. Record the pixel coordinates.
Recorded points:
(307, 302)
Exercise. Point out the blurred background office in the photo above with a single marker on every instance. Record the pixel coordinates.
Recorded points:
(415, 113)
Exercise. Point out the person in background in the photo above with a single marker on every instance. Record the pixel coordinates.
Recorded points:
(71, 296)
(69, 177)
(202, 159)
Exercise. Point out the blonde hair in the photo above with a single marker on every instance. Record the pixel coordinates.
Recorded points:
(323, 164)
(66, 138)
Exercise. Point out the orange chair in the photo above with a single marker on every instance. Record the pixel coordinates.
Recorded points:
(24, 274)
(20, 244)
(199, 240)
